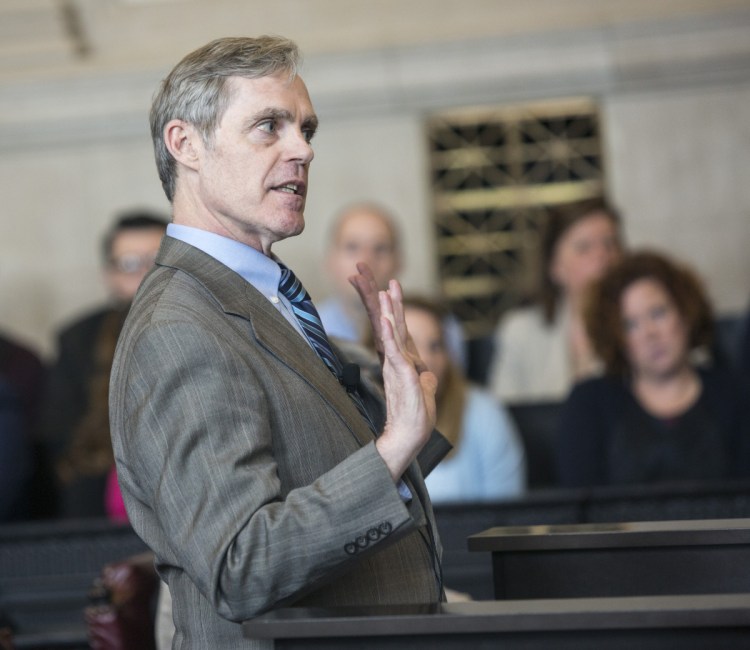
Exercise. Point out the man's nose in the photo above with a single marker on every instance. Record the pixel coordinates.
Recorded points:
(300, 149)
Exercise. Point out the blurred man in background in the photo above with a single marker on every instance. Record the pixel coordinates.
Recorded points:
(75, 412)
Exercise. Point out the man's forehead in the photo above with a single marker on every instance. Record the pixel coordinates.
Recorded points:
(367, 224)
(276, 95)
(278, 82)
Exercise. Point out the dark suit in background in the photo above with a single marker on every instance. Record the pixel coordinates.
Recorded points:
(76, 401)
(75, 421)
(24, 374)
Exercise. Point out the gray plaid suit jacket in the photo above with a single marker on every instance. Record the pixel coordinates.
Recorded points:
(246, 467)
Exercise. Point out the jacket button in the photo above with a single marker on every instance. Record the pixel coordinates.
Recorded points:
(373, 534)
(350, 548)
(385, 528)
(362, 541)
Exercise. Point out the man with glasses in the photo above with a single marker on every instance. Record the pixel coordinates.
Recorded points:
(75, 421)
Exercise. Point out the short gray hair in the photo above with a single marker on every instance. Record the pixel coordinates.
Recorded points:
(197, 92)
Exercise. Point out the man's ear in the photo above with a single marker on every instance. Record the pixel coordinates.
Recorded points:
(184, 143)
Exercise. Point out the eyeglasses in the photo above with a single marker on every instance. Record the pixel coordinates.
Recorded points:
(130, 264)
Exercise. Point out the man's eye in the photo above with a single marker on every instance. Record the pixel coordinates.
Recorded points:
(269, 126)
(309, 134)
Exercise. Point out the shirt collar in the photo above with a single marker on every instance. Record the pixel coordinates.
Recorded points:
(256, 268)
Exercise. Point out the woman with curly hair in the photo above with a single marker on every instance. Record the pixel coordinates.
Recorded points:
(657, 415)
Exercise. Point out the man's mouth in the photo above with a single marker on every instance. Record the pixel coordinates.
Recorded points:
(291, 188)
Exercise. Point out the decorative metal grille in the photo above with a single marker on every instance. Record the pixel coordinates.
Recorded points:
(495, 171)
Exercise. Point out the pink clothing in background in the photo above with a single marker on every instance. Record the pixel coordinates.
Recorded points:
(113, 502)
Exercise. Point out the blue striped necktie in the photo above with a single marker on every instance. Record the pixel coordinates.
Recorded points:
(309, 320)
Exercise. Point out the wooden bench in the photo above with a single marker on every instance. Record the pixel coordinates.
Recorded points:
(46, 568)
(46, 571)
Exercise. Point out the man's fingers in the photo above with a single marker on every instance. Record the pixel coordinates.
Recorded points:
(387, 310)
(390, 347)
(397, 300)
(429, 382)
(366, 271)
(407, 344)
(364, 283)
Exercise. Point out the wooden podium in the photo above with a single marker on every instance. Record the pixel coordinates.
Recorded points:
(648, 585)
(627, 559)
(647, 623)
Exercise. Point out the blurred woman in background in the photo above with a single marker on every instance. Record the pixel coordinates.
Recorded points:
(541, 350)
(657, 415)
(487, 461)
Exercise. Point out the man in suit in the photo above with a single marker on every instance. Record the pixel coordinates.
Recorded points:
(257, 468)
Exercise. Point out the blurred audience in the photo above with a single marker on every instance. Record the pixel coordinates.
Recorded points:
(744, 347)
(541, 350)
(76, 414)
(487, 461)
(367, 232)
(15, 455)
(22, 375)
(114, 506)
(658, 415)
(25, 372)
(7, 628)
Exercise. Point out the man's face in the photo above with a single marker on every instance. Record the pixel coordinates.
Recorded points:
(363, 236)
(252, 175)
(132, 256)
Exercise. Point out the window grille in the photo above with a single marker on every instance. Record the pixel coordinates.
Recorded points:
(495, 172)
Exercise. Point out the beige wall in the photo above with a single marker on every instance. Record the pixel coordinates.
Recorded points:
(679, 166)
(674, 94)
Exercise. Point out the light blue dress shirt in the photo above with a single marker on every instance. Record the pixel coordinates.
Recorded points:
(258, 269)
(489, 463)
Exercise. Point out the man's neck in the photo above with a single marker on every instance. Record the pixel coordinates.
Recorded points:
(187, 213)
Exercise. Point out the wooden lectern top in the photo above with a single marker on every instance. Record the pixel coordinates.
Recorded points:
(612, 535)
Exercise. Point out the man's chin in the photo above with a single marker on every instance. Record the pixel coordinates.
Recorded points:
(299, 225)
(285, 224)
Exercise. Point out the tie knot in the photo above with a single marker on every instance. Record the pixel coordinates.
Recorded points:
(291, 287)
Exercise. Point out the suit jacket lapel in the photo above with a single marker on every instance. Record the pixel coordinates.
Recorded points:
(271, 330)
